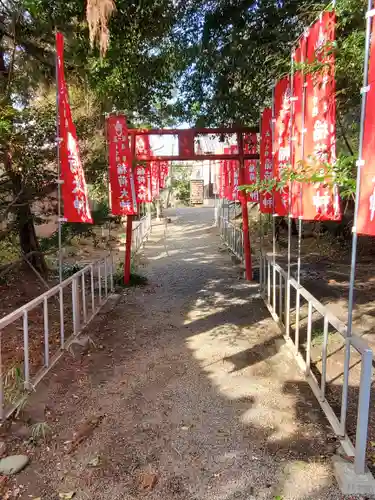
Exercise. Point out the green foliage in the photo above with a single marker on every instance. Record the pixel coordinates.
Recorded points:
(181, 189)
(40, 431)
(136, 279)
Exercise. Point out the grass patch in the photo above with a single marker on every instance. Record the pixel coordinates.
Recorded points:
(317, 336)
(136, 279)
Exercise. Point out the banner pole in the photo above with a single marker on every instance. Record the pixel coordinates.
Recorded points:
(287, 319)
(300, 218)
(108, 192)
(273, 207)
(59, 181)
(360, 164)
(129, 226)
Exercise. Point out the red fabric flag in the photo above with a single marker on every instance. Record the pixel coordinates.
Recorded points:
(366, 206)
(299, 57)
(266, 165)
(320, 201)
(164, 171)
(281, 143)
(250, 174)
(122, 188)
(142, 176)
(155, 179)
(221, 180)
(227, 177)
(74, 188)
(143, 183)
(234, 168)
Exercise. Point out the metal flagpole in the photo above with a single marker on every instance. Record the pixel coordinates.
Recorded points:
(370, 13)
(109, 197)
(300, 218)
(287, 298)
(260, 215)
(59, 181)
(273, 209)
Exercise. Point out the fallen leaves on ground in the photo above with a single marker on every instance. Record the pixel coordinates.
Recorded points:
(84, 431)
(94, 462)
(67, 496)
(149, 480)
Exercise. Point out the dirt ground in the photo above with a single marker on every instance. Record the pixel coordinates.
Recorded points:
(186, 394)
(325, 271)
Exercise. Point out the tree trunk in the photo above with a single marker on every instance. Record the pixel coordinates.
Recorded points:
(28, 238)
(24, 218)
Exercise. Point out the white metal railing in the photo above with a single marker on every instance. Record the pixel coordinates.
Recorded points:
(141, 232)
(275, 287)
(232, 236)
(73, 304)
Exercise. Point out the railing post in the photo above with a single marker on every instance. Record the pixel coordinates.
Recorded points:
(281, 297)
(75, 306)
(106, 277)
(363, 412)
(92, 288)
(46, 333)
(26, 349)
(1, 378)
(100, 283)
(324, 359)
(111, 272)
(83, 284)
(308, 341)
(62, 324)
(345, 386)
(298, 307)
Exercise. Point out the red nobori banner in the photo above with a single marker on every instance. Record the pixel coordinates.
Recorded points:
(164, 171)
(142, 174)
(366, 205)
(155, 179)
(74, 188)
(250, 177)
(266, 163)
(122, 188)
(228, 179)
(299, 57)
(234, 172)
(320, 201)
(143, 183)
(221, 179)
(281, 142)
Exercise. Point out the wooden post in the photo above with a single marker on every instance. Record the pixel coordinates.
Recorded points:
(245, 215)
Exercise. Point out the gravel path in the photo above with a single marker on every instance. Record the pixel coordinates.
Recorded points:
(197, 401)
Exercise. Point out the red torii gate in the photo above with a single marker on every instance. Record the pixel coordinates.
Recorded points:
(186, 152)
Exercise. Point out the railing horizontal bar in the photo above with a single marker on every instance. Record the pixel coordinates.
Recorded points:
(13, 316)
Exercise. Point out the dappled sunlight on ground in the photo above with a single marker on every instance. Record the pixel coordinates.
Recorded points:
(194, 388)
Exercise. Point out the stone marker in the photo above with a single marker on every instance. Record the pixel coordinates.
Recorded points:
(13, 464)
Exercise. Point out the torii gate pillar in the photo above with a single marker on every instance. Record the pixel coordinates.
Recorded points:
(245, 213)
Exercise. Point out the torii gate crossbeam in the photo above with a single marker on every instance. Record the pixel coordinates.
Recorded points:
(186, 152)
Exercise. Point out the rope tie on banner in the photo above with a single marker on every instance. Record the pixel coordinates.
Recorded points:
(365, 89)
(370, 13)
